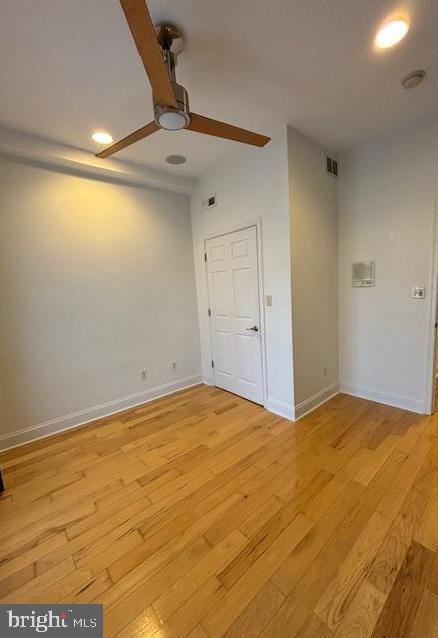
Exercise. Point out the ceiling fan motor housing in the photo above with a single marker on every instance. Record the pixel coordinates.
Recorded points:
(183, 110)
(168, 117)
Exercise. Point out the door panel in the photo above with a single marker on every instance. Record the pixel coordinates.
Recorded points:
(232, 272)
(222, 292)
(243, 293)
(239, 248)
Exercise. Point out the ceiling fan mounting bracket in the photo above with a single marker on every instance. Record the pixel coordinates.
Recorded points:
(170, 38)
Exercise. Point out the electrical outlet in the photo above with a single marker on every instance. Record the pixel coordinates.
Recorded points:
(174, 365)
(144, 375)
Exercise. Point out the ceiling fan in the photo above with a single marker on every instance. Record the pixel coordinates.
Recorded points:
(158, 48)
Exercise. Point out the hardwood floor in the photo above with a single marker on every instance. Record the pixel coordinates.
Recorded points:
(203, 515)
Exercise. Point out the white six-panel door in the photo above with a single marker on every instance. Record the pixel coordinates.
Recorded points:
(232, 272)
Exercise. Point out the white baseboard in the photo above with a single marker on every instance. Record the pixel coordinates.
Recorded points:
(207, 380)
(388, 398)
(279, 407)
(314, 401)
(75, 419)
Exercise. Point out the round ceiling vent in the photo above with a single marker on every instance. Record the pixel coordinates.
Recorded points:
(413, 79)
(176, 159)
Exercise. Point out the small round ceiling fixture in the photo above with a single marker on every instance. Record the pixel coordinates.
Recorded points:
(102, 137)
(391, 34)
(413, 79)
(176, 159)
(172, 120)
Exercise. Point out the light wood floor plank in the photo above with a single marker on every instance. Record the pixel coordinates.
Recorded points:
(202, 515)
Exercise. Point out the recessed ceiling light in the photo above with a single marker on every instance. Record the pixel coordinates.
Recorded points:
(391, 33)
(101, 137)
(176, 159)
(413, 79)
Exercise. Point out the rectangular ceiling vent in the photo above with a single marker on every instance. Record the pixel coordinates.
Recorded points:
(209, 202)
(331, 166)
(363, 274)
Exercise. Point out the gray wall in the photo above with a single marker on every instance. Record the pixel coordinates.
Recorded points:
(387, 192)
(96, 283)
(314, 259)
(253, 185)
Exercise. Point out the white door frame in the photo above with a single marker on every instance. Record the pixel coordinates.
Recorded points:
(432, 316)
(257, 223)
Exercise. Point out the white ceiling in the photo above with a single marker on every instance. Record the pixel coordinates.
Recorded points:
(70, 66)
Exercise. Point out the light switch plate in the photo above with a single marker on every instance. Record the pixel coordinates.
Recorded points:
(268, 301)
(418, 292)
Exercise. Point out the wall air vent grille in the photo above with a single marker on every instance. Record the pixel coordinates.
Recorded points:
(209, 202)
(331, 166)
(363, 274)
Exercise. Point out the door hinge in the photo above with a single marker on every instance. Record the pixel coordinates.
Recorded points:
(209, 312)
(205, 256)
(212, 363)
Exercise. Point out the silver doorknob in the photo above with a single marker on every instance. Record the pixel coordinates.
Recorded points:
(254, 328)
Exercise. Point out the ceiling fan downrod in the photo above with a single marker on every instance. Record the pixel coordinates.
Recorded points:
(171, 43)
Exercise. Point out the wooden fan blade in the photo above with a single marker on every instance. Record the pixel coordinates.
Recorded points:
(143, 31)
(202, 124)
(142, 132)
